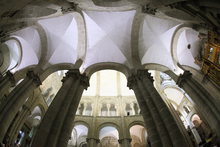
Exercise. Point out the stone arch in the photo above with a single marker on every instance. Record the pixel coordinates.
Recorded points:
(136, 27)
(109, 3)
(44, 43)
(80, 122)
(107, 65)
(42, 107)
(141, 123)
(174, 43)
(138, 135)
(109, 124)
(6, 54)
(155, 66)
(56, 67)
(20, 74)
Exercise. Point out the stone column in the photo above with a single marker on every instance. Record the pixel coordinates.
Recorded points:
(145, 112)
(20, 120)
(108, 109)
(205, 103)
(5, 82)
(15, 100)
(125, 138)
(176, 135)
(57, 124)
(84, 110)
(168, 130)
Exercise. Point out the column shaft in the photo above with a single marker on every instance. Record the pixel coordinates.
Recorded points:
(60, 115)
(150, 124)
(18, 123)
(15, 100)
(205, 103)
(176, 136)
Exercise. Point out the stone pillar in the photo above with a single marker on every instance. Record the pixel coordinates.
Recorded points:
(108, 109)
(145, 112)
(57, 124)
(168, 130)
(15, 100)
(92, 142)
(205, 103)
(84, 110)
(20, 120)
(125, 142)
(5, 82)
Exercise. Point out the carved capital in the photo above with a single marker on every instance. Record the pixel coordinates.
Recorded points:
(147, 9)
(97, 140)
(69, 8)
(84, 80)
(131, 81)
(124, 139)
(34, 77)
(143, 73)
(181, 79)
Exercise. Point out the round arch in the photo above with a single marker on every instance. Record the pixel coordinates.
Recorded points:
(107, 65)
(174, 41)
(109, 124)
(141, 123)
(82, 123)
(8, 54)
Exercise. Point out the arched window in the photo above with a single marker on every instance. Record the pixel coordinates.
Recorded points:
(128, 110)
(88, 110)
(104, 110)
(112, 110)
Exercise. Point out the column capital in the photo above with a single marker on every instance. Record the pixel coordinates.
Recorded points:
(124, 139)
(143, 73)
(84, 80)
(139, 75)
(181, 79)
(131, 81)
(75, 73)
(35, 77)
(91, 138)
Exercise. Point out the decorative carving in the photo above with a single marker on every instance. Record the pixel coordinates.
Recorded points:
(181, 79)
(209, 57)
(69, 8)
(97, 140)
(147, 9)
(143, 73)
(84, 80)
(121, 140)
(34, 77)
(131, 81)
